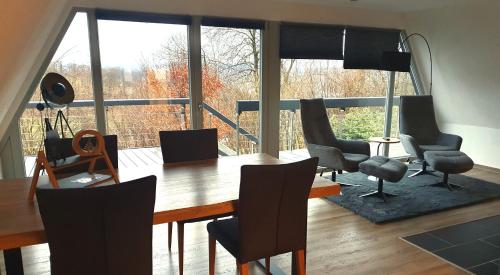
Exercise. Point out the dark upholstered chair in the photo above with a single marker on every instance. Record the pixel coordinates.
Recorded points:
(65, 150)
(181, 146)
(104, 230)
(189, 145)
(321, 142)
(419, 131)
(272, 215)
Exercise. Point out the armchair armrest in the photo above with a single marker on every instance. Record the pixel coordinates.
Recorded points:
(411, 146)
(450, 140)
(354, 146)
(330, 157)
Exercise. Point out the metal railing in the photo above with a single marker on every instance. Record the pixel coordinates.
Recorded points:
(291, 105)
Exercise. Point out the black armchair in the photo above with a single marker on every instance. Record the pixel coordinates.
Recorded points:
(419, 131)
(333, 153)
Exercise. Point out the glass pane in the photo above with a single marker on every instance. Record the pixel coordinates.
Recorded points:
(327, 79)
(72, 60)
(145, 80)
(230, 71)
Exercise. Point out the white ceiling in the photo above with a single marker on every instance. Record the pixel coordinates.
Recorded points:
(388, 5)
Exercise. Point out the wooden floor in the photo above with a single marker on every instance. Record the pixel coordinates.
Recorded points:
(339, 242)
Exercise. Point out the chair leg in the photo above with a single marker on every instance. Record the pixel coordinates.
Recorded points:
(170, 225)
(211, 255)
(447, 184)
(180, 243)
(243, 268)
(268, 265)
(300, 262)
(334, 178)
(380, 192)
(422, 171)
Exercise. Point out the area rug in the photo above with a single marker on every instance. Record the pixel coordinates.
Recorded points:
(415, 196)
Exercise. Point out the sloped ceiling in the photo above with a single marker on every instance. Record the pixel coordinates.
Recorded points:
(387, 5)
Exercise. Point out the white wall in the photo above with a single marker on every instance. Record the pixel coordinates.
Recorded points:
(28, 28)
(465, 44)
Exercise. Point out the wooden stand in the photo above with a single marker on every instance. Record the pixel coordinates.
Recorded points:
(83, 156)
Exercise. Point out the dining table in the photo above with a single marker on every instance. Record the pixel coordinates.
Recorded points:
(184, 191)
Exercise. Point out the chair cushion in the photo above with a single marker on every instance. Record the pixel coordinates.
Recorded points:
(451, 162)
(352, 161)
(433, 147)
(226, 233)
(384, 168)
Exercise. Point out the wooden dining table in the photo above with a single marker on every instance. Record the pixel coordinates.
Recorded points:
(184, 191)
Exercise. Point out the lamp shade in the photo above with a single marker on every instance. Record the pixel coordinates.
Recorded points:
(396, 61)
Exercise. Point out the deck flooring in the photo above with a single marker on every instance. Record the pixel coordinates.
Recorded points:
(137, 157)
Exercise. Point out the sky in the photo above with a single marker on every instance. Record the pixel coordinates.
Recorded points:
(121, 44)
(124, 44)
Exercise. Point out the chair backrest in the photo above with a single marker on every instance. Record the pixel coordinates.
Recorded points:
(272, 208)
(103, 230)
(315, 124)
(189, 145)
(64, 149)
(417, 118)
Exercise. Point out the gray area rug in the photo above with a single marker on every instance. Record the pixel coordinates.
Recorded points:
(415, 196)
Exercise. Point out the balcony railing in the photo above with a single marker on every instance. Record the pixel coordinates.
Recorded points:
(242, 106)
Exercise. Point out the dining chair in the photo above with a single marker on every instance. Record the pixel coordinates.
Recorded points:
(183, 146)
(271, 217)
(104, 230)
(62, 150)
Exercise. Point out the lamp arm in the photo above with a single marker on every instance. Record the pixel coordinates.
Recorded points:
(428, 48)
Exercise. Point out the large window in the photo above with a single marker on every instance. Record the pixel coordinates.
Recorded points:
(327, 79)
(145, 80)
(72, 60)
(231, 74)
(145, 62)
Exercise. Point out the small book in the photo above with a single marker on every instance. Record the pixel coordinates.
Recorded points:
(81, 180)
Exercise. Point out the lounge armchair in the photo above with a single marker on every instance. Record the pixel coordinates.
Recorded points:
(419, 131)
(334, 153)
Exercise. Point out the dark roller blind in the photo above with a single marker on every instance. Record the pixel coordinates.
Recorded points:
(364, 47)
(308, 41)
(143, 17)
(233, 23)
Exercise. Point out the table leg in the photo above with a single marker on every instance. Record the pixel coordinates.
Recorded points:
(13, 261)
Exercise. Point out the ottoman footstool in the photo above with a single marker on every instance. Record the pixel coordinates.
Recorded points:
(448, 162)
(385, 169)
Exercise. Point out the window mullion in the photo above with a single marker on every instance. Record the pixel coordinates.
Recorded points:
(95, 66)
(195, 75)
